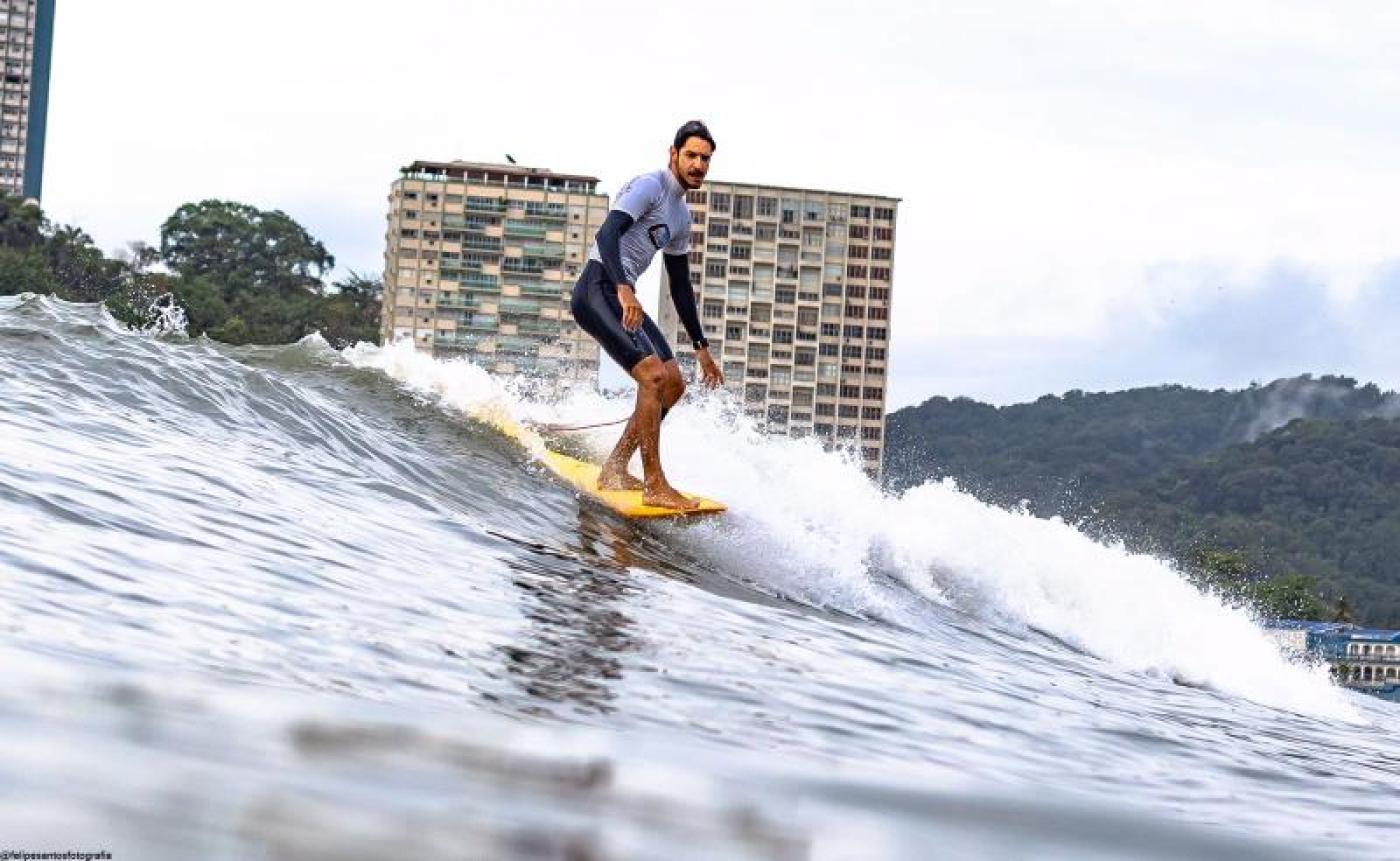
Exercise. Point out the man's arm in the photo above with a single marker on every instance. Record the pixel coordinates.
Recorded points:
(683, 297)
(610, 243)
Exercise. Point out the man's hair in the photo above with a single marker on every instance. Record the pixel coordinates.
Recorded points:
(694, 129)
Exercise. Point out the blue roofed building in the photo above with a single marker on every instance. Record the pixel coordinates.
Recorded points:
(1364, 659)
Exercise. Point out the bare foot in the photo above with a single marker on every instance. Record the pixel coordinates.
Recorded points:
(617, 478)
(666, 496)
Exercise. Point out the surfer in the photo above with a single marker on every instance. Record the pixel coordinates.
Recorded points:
(649, 215)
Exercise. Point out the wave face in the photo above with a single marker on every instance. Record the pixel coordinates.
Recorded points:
(288, 599)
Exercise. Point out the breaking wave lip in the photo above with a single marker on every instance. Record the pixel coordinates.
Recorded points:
(785, 495)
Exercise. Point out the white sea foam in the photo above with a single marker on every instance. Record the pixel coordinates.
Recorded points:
(814, 526)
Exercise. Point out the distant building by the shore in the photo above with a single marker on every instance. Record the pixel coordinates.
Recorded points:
(26, 42)
(1364, 659)
(480, 260)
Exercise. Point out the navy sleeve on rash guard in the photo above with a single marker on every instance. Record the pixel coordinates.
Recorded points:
(610, 243)
(683, 297)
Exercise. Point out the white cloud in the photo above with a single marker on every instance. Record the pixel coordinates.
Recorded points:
(1054, 158)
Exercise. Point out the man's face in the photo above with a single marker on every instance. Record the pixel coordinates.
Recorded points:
(691, 162)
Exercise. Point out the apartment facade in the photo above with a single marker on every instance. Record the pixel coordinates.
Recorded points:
(481, 259)
(794, 288)
(26, 42)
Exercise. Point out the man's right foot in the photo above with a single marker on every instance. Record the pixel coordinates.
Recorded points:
(668, 497)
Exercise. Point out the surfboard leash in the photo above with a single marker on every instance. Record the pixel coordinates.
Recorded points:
(549, 428)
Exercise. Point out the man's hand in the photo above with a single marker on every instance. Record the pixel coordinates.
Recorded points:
(710, 373)
(632, 312)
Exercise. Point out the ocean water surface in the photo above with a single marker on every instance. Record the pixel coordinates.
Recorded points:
(273, 602)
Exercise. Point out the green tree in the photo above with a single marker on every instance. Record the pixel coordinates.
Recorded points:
(81, 272)
(22, 225)
(1289, 596)
(24, 271)
(351, 312)
(242, 247)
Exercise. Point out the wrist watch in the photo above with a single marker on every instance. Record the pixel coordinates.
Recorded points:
(700, 342)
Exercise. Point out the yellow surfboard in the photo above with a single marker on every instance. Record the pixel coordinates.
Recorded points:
(584, 476)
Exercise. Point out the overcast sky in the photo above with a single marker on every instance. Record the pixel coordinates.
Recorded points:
(1096, 195)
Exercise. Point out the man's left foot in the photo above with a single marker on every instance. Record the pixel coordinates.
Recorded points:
(617, 479)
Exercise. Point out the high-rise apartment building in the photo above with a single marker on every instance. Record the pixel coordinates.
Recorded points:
(26, 42)
(793, 287)
(481, 260)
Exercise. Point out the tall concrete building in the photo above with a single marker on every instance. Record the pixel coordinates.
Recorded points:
(481, 259)
(794, 292)
(26, 41)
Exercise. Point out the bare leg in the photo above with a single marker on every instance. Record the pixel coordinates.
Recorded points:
(651, 376)
(614, 475)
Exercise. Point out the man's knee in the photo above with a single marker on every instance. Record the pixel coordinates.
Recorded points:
(650, 374)
(675, 384)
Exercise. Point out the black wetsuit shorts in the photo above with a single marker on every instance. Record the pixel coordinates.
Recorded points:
(599, 313)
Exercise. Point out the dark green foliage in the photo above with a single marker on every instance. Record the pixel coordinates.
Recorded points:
(1231, 575)
(1315, 500)
(21, 227)
(80, 271)
(24, 271)
(241, 275)
(351, 313)
(242, 247)
(39, 257)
